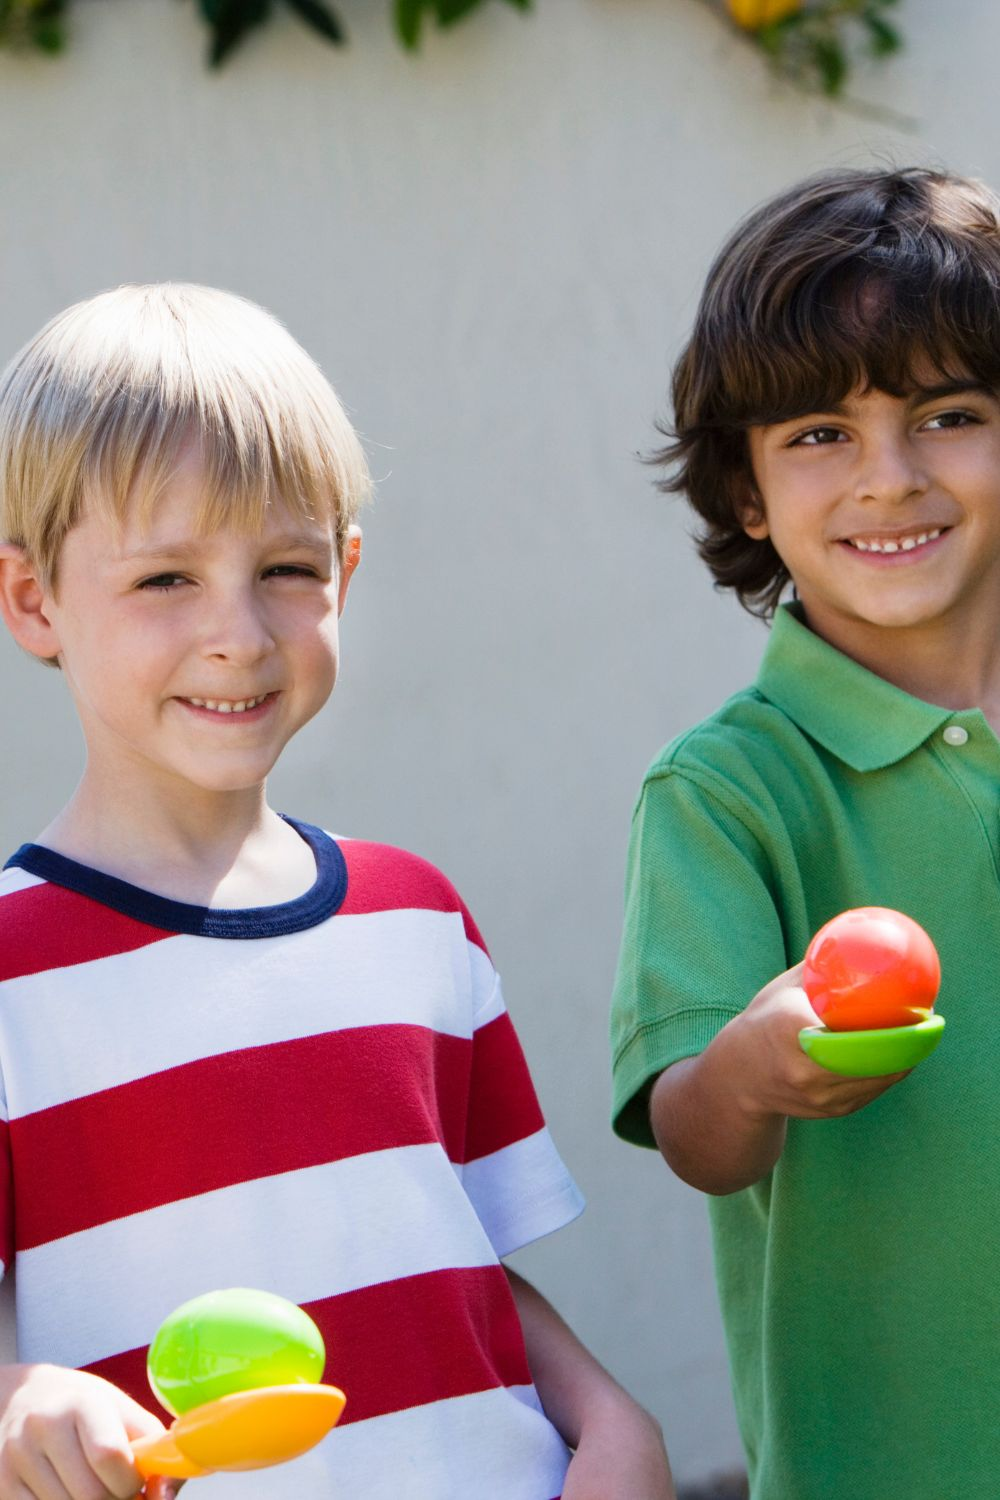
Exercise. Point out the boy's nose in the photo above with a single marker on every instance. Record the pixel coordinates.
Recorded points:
(891, 472)
(238, 632)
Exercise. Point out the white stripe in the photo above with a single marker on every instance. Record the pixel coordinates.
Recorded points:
(493, 1006)
(483, 979)
(184, 998)
(16, 879)
(494, 1444)
(371, 1219)
(496, 1185)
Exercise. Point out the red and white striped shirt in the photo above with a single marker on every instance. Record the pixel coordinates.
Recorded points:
(324, 1099)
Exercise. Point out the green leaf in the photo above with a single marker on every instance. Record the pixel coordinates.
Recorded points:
(47, 29)
(229, 21)
(407, 16)
(450, 11)
(49, 35)
(771, 38)
(321, 19)
(830, 61)
(883, 38)
(36, 23)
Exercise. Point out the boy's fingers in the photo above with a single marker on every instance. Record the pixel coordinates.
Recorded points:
(844, 1096)
(64, 1472)
(116, 1465)
(41, 1480)
(106, 1453)
(14, 1489)
(787, 999)
(138, 1421)
(797, 1002)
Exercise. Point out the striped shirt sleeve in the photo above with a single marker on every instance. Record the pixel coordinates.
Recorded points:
(512, 1172)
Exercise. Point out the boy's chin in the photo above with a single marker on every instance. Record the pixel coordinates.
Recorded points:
(884, 610)
(226, 781)
(903, 615)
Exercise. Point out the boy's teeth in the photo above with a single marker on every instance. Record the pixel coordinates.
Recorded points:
(890, 545)
(225, 706)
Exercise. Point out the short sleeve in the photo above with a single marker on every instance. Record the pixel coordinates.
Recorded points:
(701, 936)
(6, 1189)
(512, 1173)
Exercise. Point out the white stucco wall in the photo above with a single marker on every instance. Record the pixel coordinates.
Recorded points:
(494, 251)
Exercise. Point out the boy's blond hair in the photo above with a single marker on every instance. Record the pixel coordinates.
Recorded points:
(100, 404)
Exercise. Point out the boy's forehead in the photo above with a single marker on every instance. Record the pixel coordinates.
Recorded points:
(926, 380)
(155, 542)
(180, 524)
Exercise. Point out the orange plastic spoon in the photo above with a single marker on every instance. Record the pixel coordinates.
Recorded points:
(247, 1430)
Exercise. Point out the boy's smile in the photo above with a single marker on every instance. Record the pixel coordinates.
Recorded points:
(194, 657)
(886, 513)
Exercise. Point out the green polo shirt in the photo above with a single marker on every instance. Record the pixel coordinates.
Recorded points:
(859, 1281)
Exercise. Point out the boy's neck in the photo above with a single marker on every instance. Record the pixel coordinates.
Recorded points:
(221, 850)
(958, 668)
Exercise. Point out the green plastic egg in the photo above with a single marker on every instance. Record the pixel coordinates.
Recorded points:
(234, 1340)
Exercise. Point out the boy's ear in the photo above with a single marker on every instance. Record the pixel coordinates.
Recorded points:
(23, 601)
(349, 559)
(755, 525)
(752, 517)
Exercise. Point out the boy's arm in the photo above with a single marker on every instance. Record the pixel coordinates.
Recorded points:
(719, 1118)
(619, 1447)
(65, 1435)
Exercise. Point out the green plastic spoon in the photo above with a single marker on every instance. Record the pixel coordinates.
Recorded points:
(872, 1054)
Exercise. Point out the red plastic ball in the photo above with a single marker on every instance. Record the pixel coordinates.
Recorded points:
(870, 968)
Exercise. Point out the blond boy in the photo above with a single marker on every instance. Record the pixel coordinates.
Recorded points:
(236, 1050)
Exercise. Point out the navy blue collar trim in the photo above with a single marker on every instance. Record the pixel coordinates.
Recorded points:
(324, 897)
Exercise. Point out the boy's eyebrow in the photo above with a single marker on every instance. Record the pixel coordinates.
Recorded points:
(297, 541)
(917, 397)
(950, 388)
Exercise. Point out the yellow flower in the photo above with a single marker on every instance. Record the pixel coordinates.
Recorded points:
(752, 14)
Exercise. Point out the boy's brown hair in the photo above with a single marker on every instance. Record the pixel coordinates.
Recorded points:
(850, 280)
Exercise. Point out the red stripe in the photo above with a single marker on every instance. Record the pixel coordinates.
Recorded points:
(381, 878)
(503, 1105)
(400, 1344)
(48, 927)
(261, 1111)
(6, 1197)
(234, 1118)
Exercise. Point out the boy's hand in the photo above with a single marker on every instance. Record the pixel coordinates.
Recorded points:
(719, 1118)
(621, 1457)
(619, 1447)
(66, 1435)
(777, 1076)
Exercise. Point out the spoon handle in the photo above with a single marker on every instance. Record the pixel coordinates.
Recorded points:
(160, 1455)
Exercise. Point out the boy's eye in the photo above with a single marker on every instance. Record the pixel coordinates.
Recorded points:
(816, 437)
(163, 581)
(290, 570)
(944, 420)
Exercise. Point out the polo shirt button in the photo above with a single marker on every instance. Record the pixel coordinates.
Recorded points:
(955, 735)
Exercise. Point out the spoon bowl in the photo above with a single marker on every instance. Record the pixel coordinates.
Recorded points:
(246, 1430)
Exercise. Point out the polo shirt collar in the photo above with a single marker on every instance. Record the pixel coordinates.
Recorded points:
(862, 719)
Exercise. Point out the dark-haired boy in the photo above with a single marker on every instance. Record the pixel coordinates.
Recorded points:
(836, 424)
